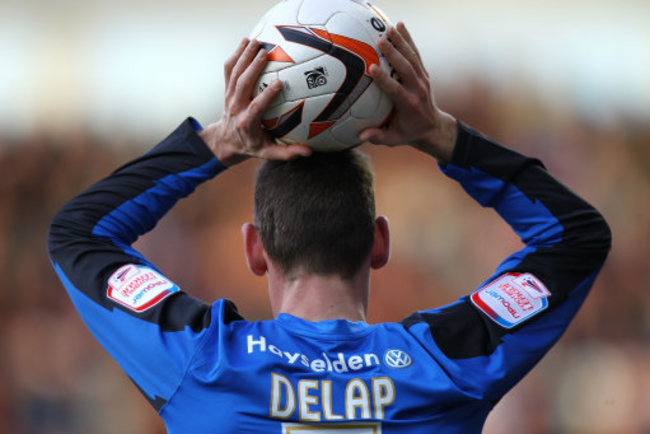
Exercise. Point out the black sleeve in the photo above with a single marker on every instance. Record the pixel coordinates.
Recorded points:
(504, 327)
(143, 319)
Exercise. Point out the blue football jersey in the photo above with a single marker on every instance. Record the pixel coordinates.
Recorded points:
(205, 369)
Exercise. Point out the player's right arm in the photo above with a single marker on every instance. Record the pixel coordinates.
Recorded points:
(416, 121)
(490, 338)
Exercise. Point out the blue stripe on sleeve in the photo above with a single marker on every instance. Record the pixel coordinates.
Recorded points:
(530, 219)
(140, 214)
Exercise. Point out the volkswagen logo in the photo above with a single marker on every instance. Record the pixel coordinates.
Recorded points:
(397, 359)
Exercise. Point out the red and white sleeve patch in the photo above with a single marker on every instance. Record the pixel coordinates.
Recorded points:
(139, 287)
(511, 298)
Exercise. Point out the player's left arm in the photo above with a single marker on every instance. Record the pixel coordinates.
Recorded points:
(141, 317)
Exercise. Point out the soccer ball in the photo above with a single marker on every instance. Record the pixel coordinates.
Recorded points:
(322, 51)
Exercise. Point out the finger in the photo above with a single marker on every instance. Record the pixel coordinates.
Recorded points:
(247, 80)
(242, 63)
(401, 28)
(389, 85)
(262, 101)
(232, 60)
(406, 50)
(403, 67)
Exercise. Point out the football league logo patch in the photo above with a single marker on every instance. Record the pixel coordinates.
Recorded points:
(139, 287)
(512, 298)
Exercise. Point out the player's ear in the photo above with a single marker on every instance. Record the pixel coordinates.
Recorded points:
(254, 250)
(380, 252)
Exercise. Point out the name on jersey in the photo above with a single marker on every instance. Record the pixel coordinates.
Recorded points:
(327, 363)
(512, 298)
(312, 400)
(138, 287)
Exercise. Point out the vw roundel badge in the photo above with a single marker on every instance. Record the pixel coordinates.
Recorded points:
(397, 359)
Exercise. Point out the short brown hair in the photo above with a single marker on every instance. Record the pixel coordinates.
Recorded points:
(317, 214)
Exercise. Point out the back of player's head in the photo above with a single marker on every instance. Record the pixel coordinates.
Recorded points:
(317, 214)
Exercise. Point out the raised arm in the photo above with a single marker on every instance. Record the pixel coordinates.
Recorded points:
(490, 338)
(144, 320)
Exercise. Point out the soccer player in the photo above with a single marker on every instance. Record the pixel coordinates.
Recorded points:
(318, 367)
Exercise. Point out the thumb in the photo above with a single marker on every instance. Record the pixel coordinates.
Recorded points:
(284, 152)
(373, 135)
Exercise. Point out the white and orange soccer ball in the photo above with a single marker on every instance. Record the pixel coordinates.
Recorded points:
(322, 52)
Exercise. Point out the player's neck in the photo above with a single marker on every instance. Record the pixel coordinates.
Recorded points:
(318, 298)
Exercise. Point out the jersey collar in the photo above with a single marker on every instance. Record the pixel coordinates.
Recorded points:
(330, 327)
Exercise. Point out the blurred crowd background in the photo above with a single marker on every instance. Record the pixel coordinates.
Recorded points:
(586, 118)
